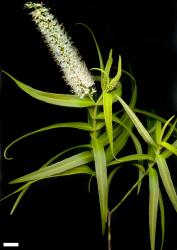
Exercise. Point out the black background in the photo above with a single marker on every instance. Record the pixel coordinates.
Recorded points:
(60, 213)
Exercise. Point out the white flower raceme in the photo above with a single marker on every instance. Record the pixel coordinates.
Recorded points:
(75, 71)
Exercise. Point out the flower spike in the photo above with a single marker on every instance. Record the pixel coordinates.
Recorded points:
(75, 71)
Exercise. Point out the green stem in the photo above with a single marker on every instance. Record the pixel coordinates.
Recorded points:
(93, 116)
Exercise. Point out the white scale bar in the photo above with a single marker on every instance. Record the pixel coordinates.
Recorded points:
(10, 244)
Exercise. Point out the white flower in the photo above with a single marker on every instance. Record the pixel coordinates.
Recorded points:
(76, 73)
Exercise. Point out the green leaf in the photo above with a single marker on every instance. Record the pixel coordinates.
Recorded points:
(57, 168)
(134, 91)
(158, 131)
(107, 108)
(122, 134)
(22, 193)
(52, 98)
(149, 114)
(119, 144)
(169, 146)
(119, 132)
(84, 169)
(76, 125)
(115, 80)
(152, 115)
(139, 126)
(104, 136)
(133, 80)
(116, 91)
(170, 131)
(122, 138)
(96, 44)
(153, 204)
(166, 179)
(105, 80)
(101, 176)
(140, 167)
(128, 128)
(162, 217)
(15, 192)
(166, 154)
(133, 157)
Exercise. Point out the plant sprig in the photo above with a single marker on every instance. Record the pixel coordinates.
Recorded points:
(111, 123)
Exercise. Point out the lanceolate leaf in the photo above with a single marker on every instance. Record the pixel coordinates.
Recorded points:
(105, 80)
(84, 169)
(79, 170)
(107, 107)
(52, 98)
(134, 90)
(123, 135)
(101, 176)
(162, 217)
(170, 131)
(149, 114)
(15, 192)
(169, 146)
(152, 115)
(57, 168)
(153, 204)
(128, 128)
(134, 157)
(20, 196)
(167, 153)
(119, 144)
(158, 130)
(166, 179)
(141, 129)
(96, 44)
(116, 79)
(76, 125)
(122, 138)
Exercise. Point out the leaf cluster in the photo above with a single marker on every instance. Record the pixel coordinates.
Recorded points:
(111, 123)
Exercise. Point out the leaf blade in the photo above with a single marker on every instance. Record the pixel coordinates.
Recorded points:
(139, 126)
(166, 179)
(75, 125)
(162, 217)
(65, 100)
(101, 176)
(153, 204)
(169, 147)
(107, 108)
(133, 157)
(57, 168)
